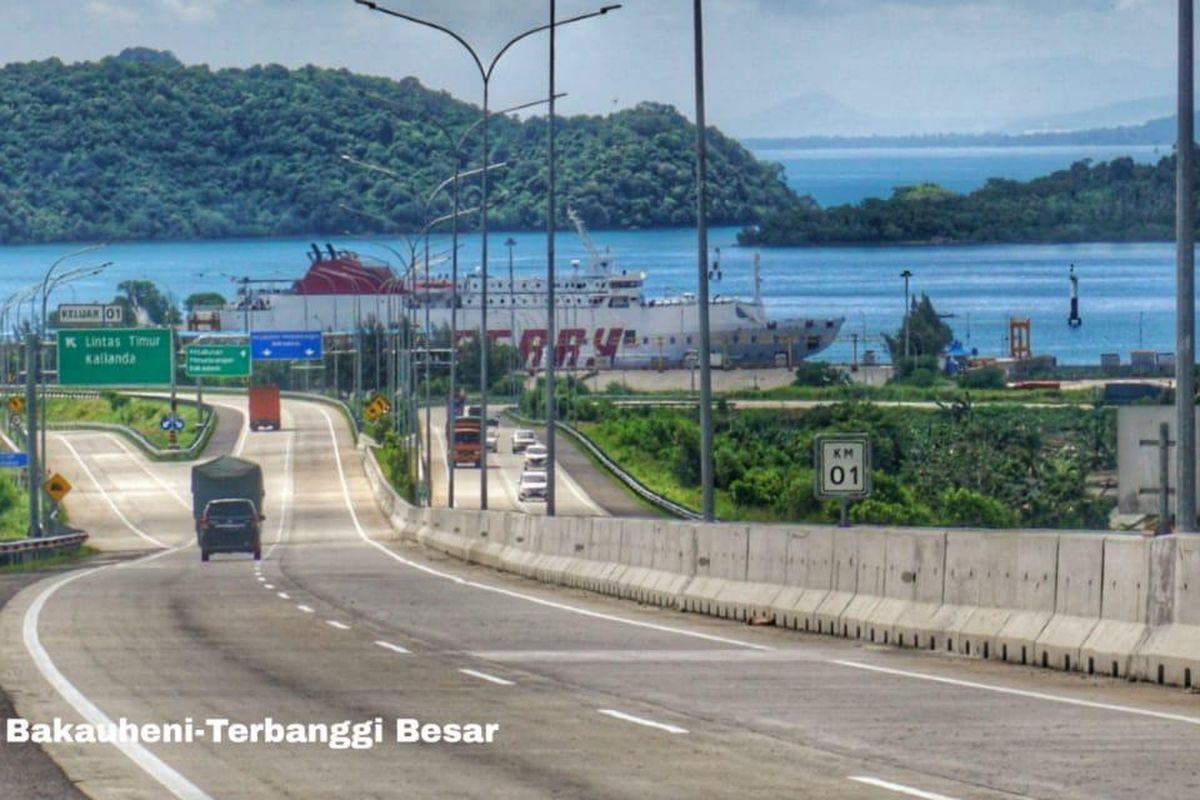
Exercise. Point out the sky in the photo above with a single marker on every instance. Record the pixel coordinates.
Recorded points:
(774, 67)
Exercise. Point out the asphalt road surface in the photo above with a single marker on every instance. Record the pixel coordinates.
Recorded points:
(594, 697)
(504, 477)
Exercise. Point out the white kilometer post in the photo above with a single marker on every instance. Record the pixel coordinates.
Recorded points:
(843, 469)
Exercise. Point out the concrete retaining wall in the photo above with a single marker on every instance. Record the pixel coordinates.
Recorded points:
(1111, 604)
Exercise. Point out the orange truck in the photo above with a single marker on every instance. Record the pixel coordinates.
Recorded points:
(264, 407)
(467, 433)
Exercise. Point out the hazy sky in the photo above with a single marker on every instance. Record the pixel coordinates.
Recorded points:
(934, 64)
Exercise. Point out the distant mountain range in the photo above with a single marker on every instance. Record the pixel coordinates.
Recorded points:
(1160, 132)
(814, 118)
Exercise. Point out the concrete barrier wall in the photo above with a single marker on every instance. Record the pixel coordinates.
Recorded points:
(1076, 601)
(1105, 603)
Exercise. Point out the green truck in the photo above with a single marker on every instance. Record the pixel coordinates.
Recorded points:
(227, 505)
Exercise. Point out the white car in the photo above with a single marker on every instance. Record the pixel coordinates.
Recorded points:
(533, 485)
(522, 438)
(535, 456)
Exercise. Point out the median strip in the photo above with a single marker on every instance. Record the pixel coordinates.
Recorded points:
(649, 723)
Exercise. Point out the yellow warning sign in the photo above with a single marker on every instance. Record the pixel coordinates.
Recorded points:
(57, 487)
(16, 404)
(377, 408)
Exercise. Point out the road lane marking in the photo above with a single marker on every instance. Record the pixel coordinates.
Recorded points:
(260, 579)
(153, 476)
(362, 534)
(1142, 712)
(483, 676)
(268, 586)
(395, 648)
(305, 609)
(285, 496)
(649, 723)
(283, 596)
(149, 763)
(87, 471)
(898, 788)
(333, 623)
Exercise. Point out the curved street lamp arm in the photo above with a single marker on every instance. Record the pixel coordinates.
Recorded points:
(383, 10)
(559, 23)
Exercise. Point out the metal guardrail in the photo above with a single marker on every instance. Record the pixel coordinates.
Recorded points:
(636, 486)
(14, 552)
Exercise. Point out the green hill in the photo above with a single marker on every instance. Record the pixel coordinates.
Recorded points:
(140, 146)
(1113, 201)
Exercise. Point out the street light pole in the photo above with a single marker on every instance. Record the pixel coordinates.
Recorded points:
(485, 74)
(1185, 283)
(551, 310)
(706, 424)
(907, 310)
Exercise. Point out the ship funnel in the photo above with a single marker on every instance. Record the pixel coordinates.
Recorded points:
(316, 254)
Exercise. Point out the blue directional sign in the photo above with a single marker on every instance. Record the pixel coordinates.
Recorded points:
(169, 422)
(285, 345)
(14, 460)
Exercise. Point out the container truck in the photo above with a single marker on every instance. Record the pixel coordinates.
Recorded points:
(264, 407)
(227, 506)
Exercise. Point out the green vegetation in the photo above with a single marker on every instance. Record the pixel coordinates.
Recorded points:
(397, 460)
(1113, 201)
(141, 147)
(141, 414)
(14, 508)
(962, 465)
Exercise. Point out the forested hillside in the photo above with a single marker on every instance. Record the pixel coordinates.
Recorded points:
(1112, 201)
(141, 147)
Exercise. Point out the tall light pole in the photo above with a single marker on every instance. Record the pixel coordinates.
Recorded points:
(510, 243)
(706, 425)
(1185, 284)
(907, 309)
(485, 74)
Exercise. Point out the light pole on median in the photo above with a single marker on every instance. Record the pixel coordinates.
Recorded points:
(1185, 282)
(905, 321)
(485, 74)
(706, 425)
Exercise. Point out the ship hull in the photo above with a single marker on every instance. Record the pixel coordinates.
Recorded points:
(650, 336)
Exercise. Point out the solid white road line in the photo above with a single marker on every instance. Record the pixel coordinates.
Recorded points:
(1142, 712)
(305, 609)
(395, 648)
(153, 476)
(284, 596)
(483, 676)
(87, 471)
(649, 723)
(333, 623)
(362, 534)
(898, 788)
(285, 496)
(149, 763)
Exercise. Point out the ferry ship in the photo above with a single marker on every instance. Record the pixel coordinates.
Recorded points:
(604, 318)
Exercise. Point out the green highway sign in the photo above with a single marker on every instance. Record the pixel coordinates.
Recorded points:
(114, 356)
(218, 361)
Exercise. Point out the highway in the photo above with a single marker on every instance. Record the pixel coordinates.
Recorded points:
(504, 476)
(594, 697)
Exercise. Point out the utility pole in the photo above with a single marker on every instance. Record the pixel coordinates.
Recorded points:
(1185, 284)
(32, 345)
(706, 426)
(551, 311)
(907, 312)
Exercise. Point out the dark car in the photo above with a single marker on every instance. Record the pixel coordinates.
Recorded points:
(230, 526)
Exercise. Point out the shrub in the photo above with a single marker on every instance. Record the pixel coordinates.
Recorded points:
(968, 507)
(816, 373)
(985, 378)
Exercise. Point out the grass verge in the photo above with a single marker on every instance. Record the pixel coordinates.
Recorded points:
(138, 413)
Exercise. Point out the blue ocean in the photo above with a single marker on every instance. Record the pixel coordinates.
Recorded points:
(1127, 290)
